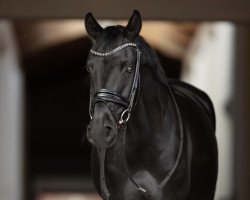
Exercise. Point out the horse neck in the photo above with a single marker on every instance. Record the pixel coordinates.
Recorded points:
(153, 109)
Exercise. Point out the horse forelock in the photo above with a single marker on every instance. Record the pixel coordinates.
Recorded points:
(111, 37)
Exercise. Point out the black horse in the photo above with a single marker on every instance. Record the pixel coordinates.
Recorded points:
(153, 137)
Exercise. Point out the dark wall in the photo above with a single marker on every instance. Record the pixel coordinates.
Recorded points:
(236, 10)
(57, 110)
(242, 113)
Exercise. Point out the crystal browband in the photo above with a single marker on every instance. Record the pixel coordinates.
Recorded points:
(113, 51)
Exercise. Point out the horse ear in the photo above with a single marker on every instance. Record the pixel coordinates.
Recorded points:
(92, 26)
(134, 25)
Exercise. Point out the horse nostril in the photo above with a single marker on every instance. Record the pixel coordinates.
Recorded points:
(89, 137)
(109, 133)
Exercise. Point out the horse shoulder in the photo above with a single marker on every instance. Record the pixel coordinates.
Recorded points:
(197, 95)
(200, 149)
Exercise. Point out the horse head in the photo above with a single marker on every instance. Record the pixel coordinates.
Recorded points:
(113, 66)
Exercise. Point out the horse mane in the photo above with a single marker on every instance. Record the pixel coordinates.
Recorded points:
(111, 37)
(149, 58)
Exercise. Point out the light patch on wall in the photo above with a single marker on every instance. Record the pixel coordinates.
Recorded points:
(171, 38)
(68, 196)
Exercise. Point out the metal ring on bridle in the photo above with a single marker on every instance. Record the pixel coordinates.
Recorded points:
(126, 113)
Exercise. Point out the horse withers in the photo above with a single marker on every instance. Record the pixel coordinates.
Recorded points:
(153, 137)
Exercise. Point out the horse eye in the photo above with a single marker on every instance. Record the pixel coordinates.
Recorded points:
(129, 69)
(87, 69)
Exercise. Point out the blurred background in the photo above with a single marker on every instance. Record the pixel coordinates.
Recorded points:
(44, 87)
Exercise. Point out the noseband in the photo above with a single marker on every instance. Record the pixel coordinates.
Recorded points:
(107, 96)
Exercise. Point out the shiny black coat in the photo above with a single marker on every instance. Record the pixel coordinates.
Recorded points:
(153, 131)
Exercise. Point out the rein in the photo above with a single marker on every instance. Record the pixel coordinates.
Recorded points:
(107, 96)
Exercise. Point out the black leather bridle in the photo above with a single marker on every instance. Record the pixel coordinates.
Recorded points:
(108, 97)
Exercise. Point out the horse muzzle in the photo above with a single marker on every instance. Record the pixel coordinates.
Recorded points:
(102, 130)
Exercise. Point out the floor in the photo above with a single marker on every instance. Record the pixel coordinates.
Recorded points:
(68, 196)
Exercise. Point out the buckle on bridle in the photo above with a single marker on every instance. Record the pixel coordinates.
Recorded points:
(124, 116)
(141, 189)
